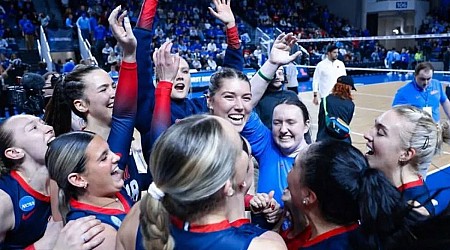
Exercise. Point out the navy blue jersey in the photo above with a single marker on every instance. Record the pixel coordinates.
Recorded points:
(31, 212)
(135, 182)
(341, 238)
(242, 229)
(418, 191)
(110, 216)
(219, 236)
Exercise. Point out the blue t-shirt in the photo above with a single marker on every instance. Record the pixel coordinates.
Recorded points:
(274, 166)
(110, 216)
(31, 211)
(432, 96)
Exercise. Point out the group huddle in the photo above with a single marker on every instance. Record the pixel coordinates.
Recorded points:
(153, 169)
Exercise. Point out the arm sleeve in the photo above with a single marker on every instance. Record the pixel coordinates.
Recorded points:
(161, 114)
(316, 76)
(257, 134)
(146, 89)
(124, 112)
(399, 99)
(233, 54)
(442, 93)
(147, 14)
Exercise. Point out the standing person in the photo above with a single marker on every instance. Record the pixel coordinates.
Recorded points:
(340, 105)
(402, 144)
(326, 73)
(292, 77)
(348, 204)
(424, 92)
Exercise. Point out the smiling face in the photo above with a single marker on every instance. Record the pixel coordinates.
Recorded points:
(30, 134)
(288, 128)
(99, 92)
(102, 170)
(232, 101)
(384, 142)
(182, 82)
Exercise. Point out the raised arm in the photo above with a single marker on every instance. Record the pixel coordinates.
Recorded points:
(167, 69)
(125, 103)
(146, 89)
(233, 54)
(279, 56)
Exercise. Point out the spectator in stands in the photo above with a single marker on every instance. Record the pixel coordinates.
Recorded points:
(84, 24)
(68, 66)
(42, 68)
(113, 73)
(69, 21)
(106, 51)
(197, 64)
(112, 58)
(28, 31)
(212, 65)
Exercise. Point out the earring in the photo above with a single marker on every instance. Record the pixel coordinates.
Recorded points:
(305, 201)
(85, 185)
(230, 192)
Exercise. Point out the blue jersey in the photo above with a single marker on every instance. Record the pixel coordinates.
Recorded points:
(418, 191)
(341, 238)
(274, 166)
(31, 212)
(432, 96)
(245, 227)
(219, 236)
(135, 182)
(110, 216)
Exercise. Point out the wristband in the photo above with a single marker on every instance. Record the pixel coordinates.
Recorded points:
(267, 79)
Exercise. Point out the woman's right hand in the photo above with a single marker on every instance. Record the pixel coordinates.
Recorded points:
(80, 234)
(121, 29)
(166, 63)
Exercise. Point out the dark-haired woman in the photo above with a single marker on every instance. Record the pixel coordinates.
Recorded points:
(348, 204)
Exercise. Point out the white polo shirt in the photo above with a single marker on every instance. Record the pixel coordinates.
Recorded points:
(325, 76)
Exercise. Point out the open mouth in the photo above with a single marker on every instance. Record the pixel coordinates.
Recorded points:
(50, 140)
(236, 119)
(369, 150)
(179, 86)
(110, 105)
(115, 171)
(285, 138)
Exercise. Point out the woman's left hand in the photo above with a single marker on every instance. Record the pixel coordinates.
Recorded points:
(122, 31)
(223, 12)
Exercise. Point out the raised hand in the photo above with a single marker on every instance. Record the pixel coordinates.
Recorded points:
(121, 29)
(281, 48)
(166, 64)
(223, 12)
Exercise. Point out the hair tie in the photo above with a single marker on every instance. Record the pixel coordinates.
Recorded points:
(155, 192)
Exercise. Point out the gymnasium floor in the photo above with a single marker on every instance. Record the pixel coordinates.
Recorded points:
(374, 96)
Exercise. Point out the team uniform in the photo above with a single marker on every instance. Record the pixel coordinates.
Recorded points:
(341, 238)
(122, 128)
(110, 216)
(31, 212)
(274, 167)
(418, 191)
(179, 109)
(220, 236)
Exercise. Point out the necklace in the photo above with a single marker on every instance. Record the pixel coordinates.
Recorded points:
(107, 204)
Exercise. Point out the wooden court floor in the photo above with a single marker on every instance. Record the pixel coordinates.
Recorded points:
(370, 102)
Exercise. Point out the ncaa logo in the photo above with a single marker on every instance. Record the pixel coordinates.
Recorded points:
(116, 221)
(27, 203)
